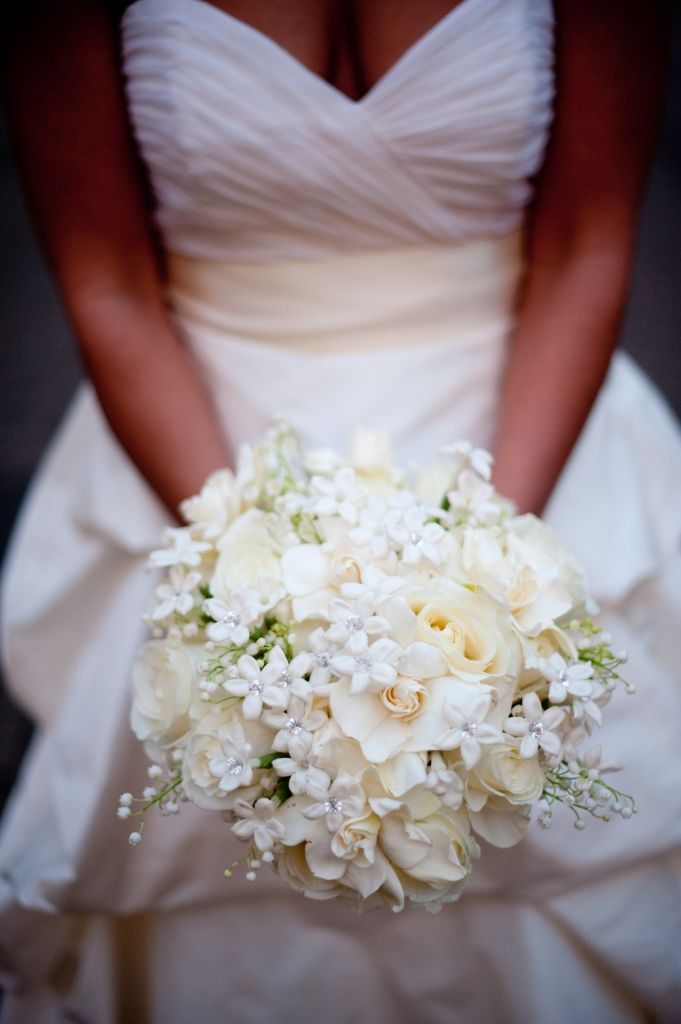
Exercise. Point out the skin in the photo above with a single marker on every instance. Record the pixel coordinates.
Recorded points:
(87, 196)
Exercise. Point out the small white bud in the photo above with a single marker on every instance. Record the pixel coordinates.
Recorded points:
(135, 838)
(123, 812)
(125, 799)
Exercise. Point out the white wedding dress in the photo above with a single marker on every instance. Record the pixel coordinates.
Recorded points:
(341, 263)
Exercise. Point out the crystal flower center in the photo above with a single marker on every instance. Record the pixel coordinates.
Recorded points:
(354, 623)
(255, 687)
(286, 678)
(333, 805)
(294, 726)
(234, 766)
(469, 728)
(232, 619)
(363, 663)
(536, 729)
(322, 660)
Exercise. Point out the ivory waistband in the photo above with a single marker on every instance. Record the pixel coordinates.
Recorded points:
(390, 298)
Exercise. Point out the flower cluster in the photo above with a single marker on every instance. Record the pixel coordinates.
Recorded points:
(363, 674)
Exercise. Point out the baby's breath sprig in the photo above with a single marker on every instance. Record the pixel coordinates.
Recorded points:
(594, 647)
(166, 799)
(582, 788)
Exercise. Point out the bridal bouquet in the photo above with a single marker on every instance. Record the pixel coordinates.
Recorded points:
(362, 673)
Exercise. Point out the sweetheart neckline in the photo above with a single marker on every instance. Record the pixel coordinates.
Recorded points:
(405, 57)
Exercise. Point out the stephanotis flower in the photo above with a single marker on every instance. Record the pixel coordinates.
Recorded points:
(345, 798)
(572, 680)
(444, 782)
(536, 726)
(321, 653)
(256, 692)
(258, 823)
(469, 729)
(177, 595)
(370, 667)
(417, 537)
(232, 618)
(352, 622)
(295, 727)
(234, 768)
(465, 455)
(339, 496)
(301, 770)
(289, 676)
(183, 549)
(375, 585)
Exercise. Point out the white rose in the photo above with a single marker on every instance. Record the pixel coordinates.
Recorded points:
(524, 562)
(248, 554)
(433, 854)
(371, 458)
(383, 722)
(291, 864)
(433, 483)
(469, 628)
(502, 772)
(163, 680)
(218, 734)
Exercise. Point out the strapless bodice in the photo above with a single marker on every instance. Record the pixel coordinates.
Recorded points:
(253, 157)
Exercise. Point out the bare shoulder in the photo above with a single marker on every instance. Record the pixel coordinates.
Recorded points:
(611, 60)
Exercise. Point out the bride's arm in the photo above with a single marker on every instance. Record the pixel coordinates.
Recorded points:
(68, 121)
(581, 232)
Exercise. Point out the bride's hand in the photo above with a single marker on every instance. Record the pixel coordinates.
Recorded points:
(581, 231)
(72, 141)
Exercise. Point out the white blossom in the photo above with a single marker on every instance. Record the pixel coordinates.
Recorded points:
(345, 798)
(232, 618)
(418, 537)
(256, 692)
(233, 768)
(289, 676)
(352, 622)
(536, 727)
(301, 769)
(341, 495)
(258, 823)
(469, 729)
(295, 727)
(565, 679)
(176, 595)
(183, 549)
(444, 783)
(369, 666)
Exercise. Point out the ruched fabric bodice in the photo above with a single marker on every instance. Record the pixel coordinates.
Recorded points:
(254, 157)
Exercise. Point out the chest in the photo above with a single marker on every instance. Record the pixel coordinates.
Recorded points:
(351, 44)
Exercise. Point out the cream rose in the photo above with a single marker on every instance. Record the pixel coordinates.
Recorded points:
(469, 629)
(219, 736)
(433, 854)
(248, 554)
(163, 680)
(502, 772)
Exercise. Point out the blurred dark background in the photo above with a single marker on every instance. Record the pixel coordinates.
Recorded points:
(40, 367)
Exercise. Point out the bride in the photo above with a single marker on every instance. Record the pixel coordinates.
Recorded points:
(415, 217)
